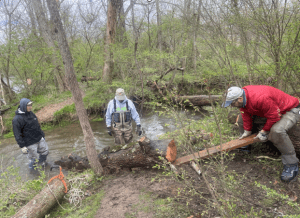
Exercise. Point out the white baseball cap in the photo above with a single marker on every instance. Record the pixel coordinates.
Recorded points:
(120, 94)
(233, 93)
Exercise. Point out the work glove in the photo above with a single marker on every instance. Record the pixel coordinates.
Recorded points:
(139, 130)
(245, 134)
(24, 150)
(262, 136)
(109, 131)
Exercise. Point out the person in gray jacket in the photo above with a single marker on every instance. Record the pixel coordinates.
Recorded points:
(119, 114)
(29, 135)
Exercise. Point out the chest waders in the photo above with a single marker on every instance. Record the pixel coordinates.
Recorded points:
(122, 124)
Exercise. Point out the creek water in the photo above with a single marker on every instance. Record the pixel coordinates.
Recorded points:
(65, 140)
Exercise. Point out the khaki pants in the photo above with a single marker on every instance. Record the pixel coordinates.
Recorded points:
(122, 137)
(279, 137)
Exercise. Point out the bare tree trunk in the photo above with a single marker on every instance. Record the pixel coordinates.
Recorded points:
(6, 90)
(8, 59)
(187, 8)
(76, 92)
(2, 90)
(31, 16)
(136, 36)
(196, 27)
(244, 39)
(148, 27)
(159, 38)
(46, 33)
(110, 38)
(6, 5)
(121, 24)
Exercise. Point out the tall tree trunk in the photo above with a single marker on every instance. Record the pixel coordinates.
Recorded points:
(31, 16)
(46, 33)
(136, 36)
(110, 38)
(244, 39)
(76, 92)
(121, 24)
(159, 33)
(10, 94)
(159, 38)
(2, 89)
(196, 27)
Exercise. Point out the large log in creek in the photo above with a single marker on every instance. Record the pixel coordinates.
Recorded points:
(258, 123)
(188, 100)
(42, 202)
(198, 100)
(144, 153)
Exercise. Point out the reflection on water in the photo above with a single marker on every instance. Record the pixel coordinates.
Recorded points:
(65, 140)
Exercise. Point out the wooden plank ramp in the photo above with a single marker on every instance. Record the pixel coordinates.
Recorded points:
(237, 143)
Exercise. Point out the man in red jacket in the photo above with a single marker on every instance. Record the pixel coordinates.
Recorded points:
(281, 111)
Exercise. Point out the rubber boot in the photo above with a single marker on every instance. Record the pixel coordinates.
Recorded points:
(32, 164)
(42, 160)
(290, 172)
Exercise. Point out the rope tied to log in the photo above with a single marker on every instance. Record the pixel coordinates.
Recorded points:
(61, 177)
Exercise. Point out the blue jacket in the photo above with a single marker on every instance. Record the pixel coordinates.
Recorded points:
(26, 127)
(110, 110)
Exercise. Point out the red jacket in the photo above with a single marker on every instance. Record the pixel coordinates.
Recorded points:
(268, 102)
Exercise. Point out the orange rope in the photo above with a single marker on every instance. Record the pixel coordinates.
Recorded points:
(61, 177)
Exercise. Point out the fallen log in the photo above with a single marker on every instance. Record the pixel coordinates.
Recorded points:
(42, 202)
(198, 100)
(144, 153)
(193, 100)
(216, 149)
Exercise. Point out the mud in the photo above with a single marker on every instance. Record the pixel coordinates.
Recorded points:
(122, 194)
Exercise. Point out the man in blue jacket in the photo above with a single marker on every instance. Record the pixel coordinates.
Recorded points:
(120, 112)
(29, 135)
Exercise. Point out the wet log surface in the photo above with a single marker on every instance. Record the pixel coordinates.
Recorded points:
(42, 202)
(144, 153)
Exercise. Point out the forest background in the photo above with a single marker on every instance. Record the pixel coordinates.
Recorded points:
(202, 46)
(189, 47)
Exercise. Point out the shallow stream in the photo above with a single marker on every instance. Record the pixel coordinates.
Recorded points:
(65, 140)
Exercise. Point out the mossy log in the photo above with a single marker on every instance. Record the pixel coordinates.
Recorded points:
(188, 100)
(42, 202)
(144, 153)
(197, 100)
(294, 132)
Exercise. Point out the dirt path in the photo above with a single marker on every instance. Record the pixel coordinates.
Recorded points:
(123, 195)
(46, 114)
(126, 194)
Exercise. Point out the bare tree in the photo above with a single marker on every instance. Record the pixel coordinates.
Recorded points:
(46, 33)
(111, 26)
(159, 34)
(90, 32)
(76, 92)
(30, 12)
(9, 8)
(274, 20)
(241, 23)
